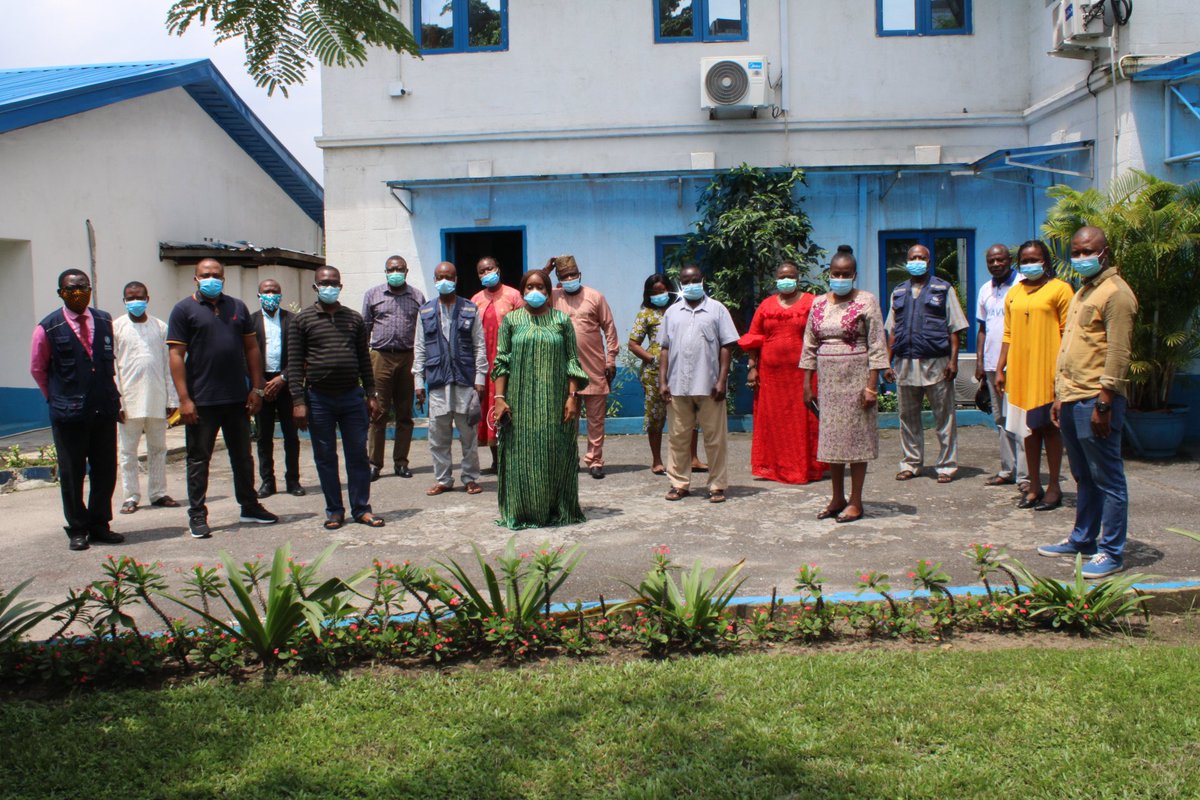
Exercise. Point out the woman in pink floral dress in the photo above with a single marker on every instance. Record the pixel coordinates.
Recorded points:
(844, 343)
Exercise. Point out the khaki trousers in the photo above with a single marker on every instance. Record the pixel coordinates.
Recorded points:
(683, 414)
(394, 383)
(596, 406)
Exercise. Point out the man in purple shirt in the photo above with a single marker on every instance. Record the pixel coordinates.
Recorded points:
(390, 312)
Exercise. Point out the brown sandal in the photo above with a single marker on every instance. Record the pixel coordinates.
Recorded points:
(129, 506)
(677, 494)
(905, 475)
(717, 496)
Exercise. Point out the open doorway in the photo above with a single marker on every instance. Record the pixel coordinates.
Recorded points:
(463, 247)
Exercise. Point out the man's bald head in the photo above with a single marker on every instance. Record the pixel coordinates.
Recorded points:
(1090, 241)
(445, 271)
(209, 268)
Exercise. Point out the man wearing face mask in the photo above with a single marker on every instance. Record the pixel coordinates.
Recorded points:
(451, 358)
(271, 327)
(333, 389)
(390, 314)
(1090, 387)
(71, 359)
(990, 313)
(696, 338)
(596, 338)
(217, 369)
(922, 329)
(147, 394)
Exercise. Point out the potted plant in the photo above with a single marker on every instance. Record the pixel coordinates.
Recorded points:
(1153, 230)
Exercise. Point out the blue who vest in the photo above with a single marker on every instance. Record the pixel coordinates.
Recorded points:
(920, 322)
(81, 386)
(452, 361)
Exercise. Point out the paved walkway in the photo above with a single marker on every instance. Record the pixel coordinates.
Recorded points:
(770, 525)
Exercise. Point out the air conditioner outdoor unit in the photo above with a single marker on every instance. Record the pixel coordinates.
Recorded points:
(1076, 24)
(733, 82)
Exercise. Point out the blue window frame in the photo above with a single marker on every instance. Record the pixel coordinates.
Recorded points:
(461, 26)
(922, 17)
(953, 255)
(664, 248)
(701, 20)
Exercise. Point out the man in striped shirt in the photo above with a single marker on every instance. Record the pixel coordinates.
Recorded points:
(333, 387)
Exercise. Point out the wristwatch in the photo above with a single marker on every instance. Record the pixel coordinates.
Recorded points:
(260, 392)
(1103, 407)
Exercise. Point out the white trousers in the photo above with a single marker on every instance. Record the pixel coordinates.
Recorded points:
(130, 435)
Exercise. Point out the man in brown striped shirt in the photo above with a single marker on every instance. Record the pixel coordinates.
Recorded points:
(333, 387)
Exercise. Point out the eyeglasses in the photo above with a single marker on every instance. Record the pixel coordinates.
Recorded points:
(76, 291)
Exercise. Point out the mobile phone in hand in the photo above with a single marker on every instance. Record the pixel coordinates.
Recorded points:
(814, 408)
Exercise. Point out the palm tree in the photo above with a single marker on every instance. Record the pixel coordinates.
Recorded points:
(1153, 230)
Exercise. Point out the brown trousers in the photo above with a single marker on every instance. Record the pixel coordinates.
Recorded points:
(683, 415)
(394, 383)
(596, 406)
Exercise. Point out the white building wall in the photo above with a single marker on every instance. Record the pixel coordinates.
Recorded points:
(156, 168)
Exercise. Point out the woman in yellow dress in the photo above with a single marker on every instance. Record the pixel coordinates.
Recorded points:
(1035, 312)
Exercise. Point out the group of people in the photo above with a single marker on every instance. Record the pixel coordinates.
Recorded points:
(515, 368)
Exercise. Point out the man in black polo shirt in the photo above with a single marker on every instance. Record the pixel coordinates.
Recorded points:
(329, 375)
(213, 351)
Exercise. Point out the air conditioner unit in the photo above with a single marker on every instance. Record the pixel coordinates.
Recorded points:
(733, 82)
(1076, 24)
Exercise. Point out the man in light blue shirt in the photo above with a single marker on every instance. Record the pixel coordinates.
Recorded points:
(990, 313)
(271, 326)
(697, 338)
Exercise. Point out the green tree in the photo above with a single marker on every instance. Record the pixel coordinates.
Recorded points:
(751, 220)
(283, 37)
(1153, 230)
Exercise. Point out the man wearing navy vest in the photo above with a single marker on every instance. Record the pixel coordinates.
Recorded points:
(450, 357)
(71, 360)
(923, 328)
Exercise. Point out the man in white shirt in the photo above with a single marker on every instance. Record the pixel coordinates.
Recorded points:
(990, 313)
(148, 396)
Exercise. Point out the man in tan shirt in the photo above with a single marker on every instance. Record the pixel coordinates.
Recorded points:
(1090, 389)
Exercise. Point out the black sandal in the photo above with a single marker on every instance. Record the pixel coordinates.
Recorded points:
(333, 523)
(370, 520)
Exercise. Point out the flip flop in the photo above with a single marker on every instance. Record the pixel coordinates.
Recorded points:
(846, 518)
(905, 475)
(996, 480)
(831, 512)
(333, 523)
(370, 520)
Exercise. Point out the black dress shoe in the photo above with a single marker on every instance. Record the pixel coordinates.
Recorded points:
(1030, 502)
(374, 474)
(403, 471)
(105, 537)
(1048, 506)
(266, 489)
(296, 490)
(78, 542)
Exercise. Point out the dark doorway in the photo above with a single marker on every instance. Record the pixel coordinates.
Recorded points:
(463, 247)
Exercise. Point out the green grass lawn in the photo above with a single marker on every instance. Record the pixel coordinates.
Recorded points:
(1112, 721)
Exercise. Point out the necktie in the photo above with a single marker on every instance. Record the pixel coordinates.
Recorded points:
(84, 336)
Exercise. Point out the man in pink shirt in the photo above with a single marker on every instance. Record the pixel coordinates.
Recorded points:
(598, 345)
(71, 359)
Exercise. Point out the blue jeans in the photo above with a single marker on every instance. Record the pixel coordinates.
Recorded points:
(348, 412)
(1103, 499)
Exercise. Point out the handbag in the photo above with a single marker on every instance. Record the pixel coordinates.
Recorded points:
(983, 398)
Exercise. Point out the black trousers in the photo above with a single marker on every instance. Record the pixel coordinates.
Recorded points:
(234, 425)
(280, 408)
(91, 444)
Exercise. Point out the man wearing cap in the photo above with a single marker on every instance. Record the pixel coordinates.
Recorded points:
(596, 339)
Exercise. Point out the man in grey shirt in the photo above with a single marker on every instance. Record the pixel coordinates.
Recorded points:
(697, 338)
(450, 357)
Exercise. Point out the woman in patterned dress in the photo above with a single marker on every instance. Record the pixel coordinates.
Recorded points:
(494, 300)
(656, 296)
(844, 343)
(536, 411)
(784, 447)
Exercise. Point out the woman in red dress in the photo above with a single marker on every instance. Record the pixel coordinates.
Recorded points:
(784, 448)
(494, 300)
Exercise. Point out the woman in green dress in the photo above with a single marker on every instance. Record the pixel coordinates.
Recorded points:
(537, 369)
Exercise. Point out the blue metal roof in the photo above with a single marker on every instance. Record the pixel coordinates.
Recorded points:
(1177, 70)
(40, 94)
(1035, 158)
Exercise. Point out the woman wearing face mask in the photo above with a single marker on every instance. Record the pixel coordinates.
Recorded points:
(494, 300)
(1035, 312)
(844, 342)
(535, 409)
(785, 433)
(656, 296)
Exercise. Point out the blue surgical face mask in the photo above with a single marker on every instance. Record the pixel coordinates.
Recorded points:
(692, 291)
(490, 279)
(269, 302)
(328, 294)
(572, 286)
(136, 308)
(660, 300)
(841, 286)
(445, 287)
(1087, 267)
(535, 299)
(1031, 272)
(396, 279)
(917, 268)
(211, 287)
(786, 285)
